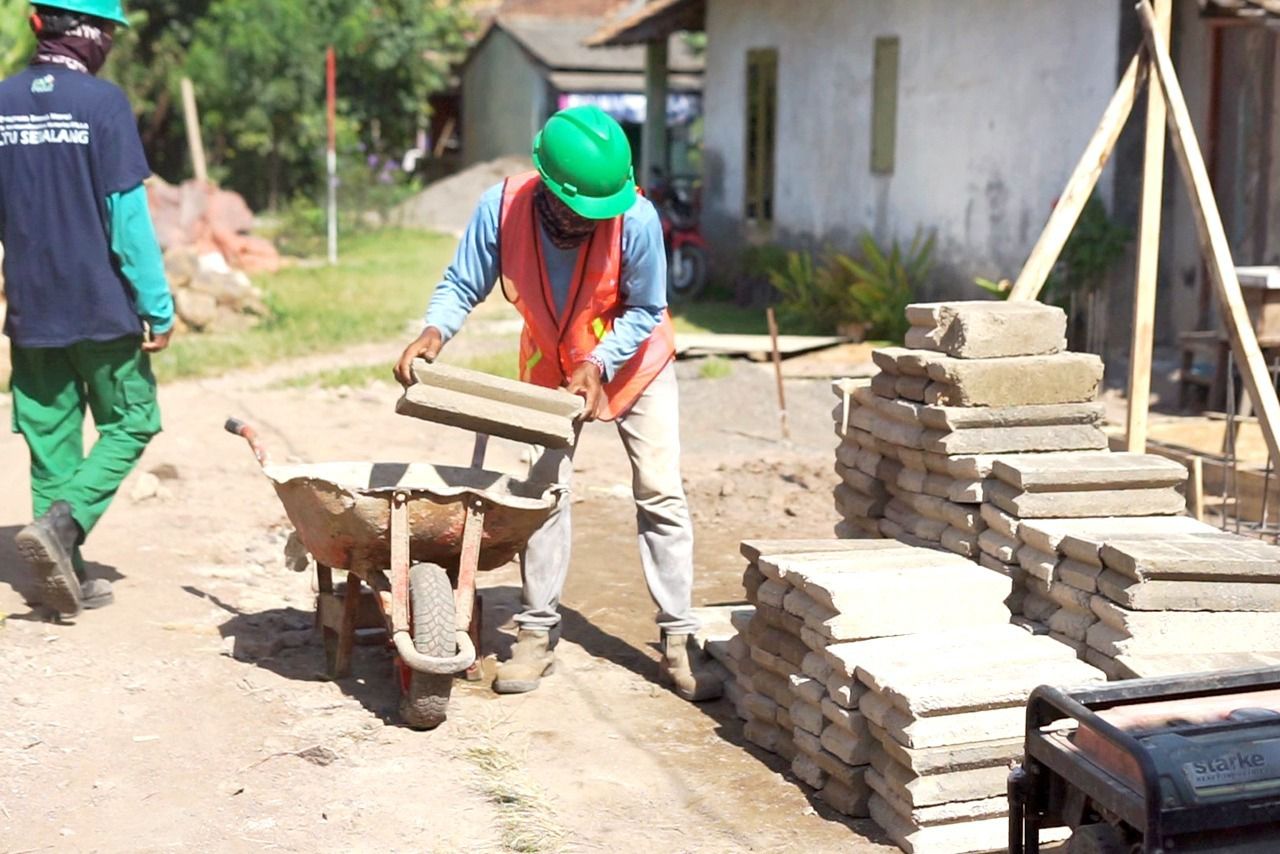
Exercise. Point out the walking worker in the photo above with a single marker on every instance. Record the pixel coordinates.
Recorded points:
(88, 298)
(580, 254)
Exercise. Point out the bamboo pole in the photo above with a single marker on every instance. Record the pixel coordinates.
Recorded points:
(1213, 237)
(777, 371)
(1080, 186)
(1144, 291)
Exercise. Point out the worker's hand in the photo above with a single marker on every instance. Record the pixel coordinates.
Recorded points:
(586, 383)
(156, 341)
(425, 346)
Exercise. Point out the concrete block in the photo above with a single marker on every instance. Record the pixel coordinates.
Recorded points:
(851, 504)
(1079, 575)
(885, 384)
(1070, 597)
(912, 388)
(1175, 640)
(1000, 521)
(807, 771)
(473, 400)
(999, 547)
(945, 760)
(967, 491)
(944, 731)
(806, 689)
(1038, 608)
(760, 707)
(777, 665)
(862, 483)
(816, 666)
(802, 605)
(846, 799)
(771, 738)
(1260, 628)
(878, 466)
(814, 639)
(997, 440)
(1049, 505)
(920, 790)
(948, 418)
(771, 617)
(808, 717)
(1084, 471)
(845, 718)
(1176, 664)
(990, 834)
(757, 548)
(963, 543)
(851, 776)
(935, 814)
(1047, 534)
(962, 675)
(1072, 625)
(970, 466)
(1188, 595)
(1017, 381)
(752, 578)
(1040, 564)
(844, 690)
(845, 746)
(773, 686)
(1197, 557)
(772, 592)
(987, 328)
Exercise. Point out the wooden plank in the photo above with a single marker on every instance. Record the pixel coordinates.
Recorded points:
(195, 142)
(1213, 237)
(1195, 489)
(1144, 291)
(1080, 186)
(690, 344)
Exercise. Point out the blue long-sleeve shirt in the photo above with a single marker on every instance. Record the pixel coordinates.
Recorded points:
(642, 287)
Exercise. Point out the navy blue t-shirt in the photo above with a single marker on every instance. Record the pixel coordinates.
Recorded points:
(67, 141)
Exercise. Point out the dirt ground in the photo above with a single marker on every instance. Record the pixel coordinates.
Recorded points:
(194, 713)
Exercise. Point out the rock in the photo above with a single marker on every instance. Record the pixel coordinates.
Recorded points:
(147, 486)
(981, 329)
(198, 310)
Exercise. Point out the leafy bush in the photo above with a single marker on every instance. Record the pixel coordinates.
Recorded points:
(835, 291)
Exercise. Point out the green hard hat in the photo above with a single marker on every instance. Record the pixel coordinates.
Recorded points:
(110, 10)
(584, 157)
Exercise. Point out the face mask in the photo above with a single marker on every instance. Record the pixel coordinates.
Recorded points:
(83, 47)
(565, 229)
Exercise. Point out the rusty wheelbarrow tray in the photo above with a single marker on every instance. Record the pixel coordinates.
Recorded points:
(414, 522)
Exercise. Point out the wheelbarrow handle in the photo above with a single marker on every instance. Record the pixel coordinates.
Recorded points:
(242, 429)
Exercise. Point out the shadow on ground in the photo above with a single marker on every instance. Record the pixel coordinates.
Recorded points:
(15, 573)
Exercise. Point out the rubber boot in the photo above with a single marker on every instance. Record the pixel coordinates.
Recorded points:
(687, 669)
(531, 659)
(96, 593)
(48, 544)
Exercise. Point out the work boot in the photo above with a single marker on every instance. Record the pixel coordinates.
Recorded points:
(688, 670)
(48, 545)
(531, 659)
(96, 593)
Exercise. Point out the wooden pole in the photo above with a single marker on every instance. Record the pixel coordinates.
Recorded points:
(1144, 289)
(191, 116)
(777, 371)
(1213, 237)
(1195, 489)
(1080, 186)
(331, 159)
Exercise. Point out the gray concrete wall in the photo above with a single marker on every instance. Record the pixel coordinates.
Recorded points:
(505, 99)
(996, 101)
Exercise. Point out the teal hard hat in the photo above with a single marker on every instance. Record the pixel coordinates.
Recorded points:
(584, 158)
(109, 10)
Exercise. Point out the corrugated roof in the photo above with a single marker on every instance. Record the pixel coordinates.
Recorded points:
(559, 44)
(650, 21)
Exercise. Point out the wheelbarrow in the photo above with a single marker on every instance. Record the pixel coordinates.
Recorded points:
(416, 534)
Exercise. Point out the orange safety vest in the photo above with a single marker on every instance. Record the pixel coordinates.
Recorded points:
(550, 347)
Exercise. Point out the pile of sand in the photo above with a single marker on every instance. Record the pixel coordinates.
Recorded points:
(447, 205)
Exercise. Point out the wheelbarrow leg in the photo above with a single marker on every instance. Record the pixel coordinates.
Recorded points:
(467, 597)
(347, 634)
(475, 672)
(327, 620)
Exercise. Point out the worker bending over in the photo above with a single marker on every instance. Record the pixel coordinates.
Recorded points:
(580, 254)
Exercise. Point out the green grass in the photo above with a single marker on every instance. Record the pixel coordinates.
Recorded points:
(715, 368)
(355, 376)
(381, 283)
(723, 318)
(499, 364)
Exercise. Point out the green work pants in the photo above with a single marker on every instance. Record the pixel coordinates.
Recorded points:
(52, 386)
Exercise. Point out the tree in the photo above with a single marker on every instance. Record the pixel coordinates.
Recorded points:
(16, 41)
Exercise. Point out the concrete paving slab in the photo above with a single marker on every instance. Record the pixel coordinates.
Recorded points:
(1081, 576)
(816, 666)
(1017, 381)
(997, 440)
(978, 329)
(1073, 627)
(845, 746)
(944, 731)
(844, 689)
(1188, 595)
(1176, 664)
(999, 521)
(1195, 557)
(885, 384)
(850, 719)
(931, 761)
(850, 800)
(1047, 534)
(961, 542)
(912, 388)
(948, 418)
(1049, 505)
(936, 814)
(990, 834)
(1040, 564)
(999, 547)
(1082, 471)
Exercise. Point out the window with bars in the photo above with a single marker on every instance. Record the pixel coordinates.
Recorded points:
(762, 108)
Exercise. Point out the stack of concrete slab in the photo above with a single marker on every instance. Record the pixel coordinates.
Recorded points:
(1157, 595)
(858, 589)
(946, 711)
(861, 493)
(1062, 486)
(984, 379)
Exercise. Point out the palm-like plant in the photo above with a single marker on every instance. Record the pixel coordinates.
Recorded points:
(877, 289)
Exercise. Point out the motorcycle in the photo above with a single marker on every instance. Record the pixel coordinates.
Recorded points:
(687, 256)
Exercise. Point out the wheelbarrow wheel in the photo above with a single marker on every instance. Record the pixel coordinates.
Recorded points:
(426, 700)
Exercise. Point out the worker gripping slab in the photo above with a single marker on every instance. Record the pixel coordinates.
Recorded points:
(477, 401)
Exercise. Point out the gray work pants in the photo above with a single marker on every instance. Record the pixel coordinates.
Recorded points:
(650, 433)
